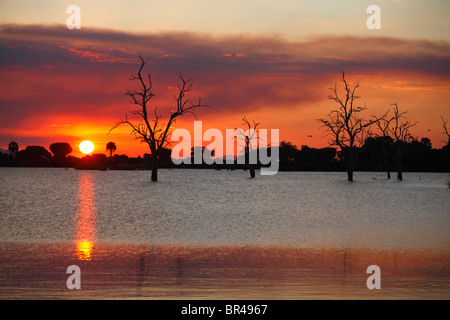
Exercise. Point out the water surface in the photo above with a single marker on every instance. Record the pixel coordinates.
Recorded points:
(218, 234)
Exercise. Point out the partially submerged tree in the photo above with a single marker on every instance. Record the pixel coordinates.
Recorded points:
(149, 128)
(446, 149)
(386, 142)
(380, 146)
(250, 140)
(399, 130)
(346, 126)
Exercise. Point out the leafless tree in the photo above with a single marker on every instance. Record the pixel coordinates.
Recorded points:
(345, 125)
(399, 131)
(446, 149)
(250, 140)
(385, 141)
(149, 128)
(444, 126)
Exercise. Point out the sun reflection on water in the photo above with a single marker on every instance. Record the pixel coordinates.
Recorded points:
(85, 232)
(84, 250)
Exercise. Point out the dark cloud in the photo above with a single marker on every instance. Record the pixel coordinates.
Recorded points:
(204, 53)
(53, 70)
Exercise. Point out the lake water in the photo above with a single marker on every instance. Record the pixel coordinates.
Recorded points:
(211, 234)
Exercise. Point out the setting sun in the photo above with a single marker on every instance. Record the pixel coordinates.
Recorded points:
(86, 147)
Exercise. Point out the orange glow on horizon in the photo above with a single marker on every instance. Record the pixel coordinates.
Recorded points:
(296, 122)
(280, 83)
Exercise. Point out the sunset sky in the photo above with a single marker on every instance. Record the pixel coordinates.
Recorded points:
(272, 61)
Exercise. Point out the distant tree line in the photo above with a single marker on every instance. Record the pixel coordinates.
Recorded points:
(376, 154)
(419, 156)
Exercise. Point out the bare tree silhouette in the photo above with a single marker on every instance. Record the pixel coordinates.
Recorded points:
(247, 138)
(444, 126)
(111, 147)
(386, 142)
(345, 125)
(149, 129)
(399, 130)
(446, 149)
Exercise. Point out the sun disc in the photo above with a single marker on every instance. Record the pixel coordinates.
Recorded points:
(86, 147)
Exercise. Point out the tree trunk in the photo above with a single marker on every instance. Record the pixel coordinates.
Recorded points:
(386, 166)
(350, 175)
(247, 158)
(399, 165)
(154, 174)
(154, 168)
(350, 162)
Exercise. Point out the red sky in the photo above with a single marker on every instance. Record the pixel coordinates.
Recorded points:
(60, 85)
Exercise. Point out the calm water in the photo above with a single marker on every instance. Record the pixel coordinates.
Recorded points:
(218, 234)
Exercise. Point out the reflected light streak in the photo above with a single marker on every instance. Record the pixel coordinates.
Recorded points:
(85, 232)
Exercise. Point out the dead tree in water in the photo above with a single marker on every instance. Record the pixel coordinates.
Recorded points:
(386, 142)
(399, 130)
(250, 140)
(446, 149)
(149, 129)
(345, 125)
